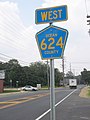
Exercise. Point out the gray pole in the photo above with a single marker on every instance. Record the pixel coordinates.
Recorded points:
(52, 90)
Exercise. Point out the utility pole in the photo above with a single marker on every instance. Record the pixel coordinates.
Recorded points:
(63, 69)
(88, 16)
(48, 81)
(70, 67)
(48, 73)
(88, 21)
(89, 32)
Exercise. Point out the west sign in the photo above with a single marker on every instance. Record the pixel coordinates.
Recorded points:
(52, 14)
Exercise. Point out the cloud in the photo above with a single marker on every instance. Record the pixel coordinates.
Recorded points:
(16, 40)
(77, 47)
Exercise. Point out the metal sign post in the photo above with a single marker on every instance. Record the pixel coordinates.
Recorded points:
(52, 90)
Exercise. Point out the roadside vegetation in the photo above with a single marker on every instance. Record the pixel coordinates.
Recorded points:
(10, 91)
(89, 91)
(36, 73)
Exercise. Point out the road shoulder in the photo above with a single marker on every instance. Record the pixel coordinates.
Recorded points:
(84, 92)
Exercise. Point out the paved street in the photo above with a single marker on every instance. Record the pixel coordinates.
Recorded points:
(36, 105)
(74, 108)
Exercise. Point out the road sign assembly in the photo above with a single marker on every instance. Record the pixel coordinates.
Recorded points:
(52, 14)
(51, 42)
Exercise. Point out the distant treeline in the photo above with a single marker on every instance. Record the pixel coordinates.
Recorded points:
(36, 73)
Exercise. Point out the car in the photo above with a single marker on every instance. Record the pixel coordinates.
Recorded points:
(29, 88)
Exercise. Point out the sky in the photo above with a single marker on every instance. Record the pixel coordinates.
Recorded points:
(18, 30)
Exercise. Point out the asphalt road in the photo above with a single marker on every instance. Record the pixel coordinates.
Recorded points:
(36, 106)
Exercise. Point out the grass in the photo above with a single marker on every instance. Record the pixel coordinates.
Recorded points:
(9, 91)
(89, 91)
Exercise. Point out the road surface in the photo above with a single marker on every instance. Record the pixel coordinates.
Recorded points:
(36, 106)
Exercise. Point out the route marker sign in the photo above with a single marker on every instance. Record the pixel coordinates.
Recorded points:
(52, 14)
(51, 42)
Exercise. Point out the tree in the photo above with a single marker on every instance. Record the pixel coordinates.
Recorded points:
(35, 73)
(85, 76)
(38, 71)
(69, 75)
(13, 72)
(1, 66)
(58, 77)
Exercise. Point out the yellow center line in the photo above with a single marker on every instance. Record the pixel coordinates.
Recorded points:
(13, 102)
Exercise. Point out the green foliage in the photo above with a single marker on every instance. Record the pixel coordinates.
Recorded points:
(85, 76)
(35, 73)
(70, 75)
(89, 92)
(58, 77)
(9, 91)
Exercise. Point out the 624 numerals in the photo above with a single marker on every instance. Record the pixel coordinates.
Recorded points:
(51, 45)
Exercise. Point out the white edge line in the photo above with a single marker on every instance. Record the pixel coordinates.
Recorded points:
(65, 98)
(55, 105)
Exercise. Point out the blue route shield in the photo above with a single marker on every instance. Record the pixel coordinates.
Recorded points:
(51, 42)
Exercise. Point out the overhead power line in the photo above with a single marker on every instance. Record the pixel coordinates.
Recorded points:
(12, 58)
(11, 28)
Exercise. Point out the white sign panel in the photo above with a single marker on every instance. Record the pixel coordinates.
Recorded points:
(2, 74)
